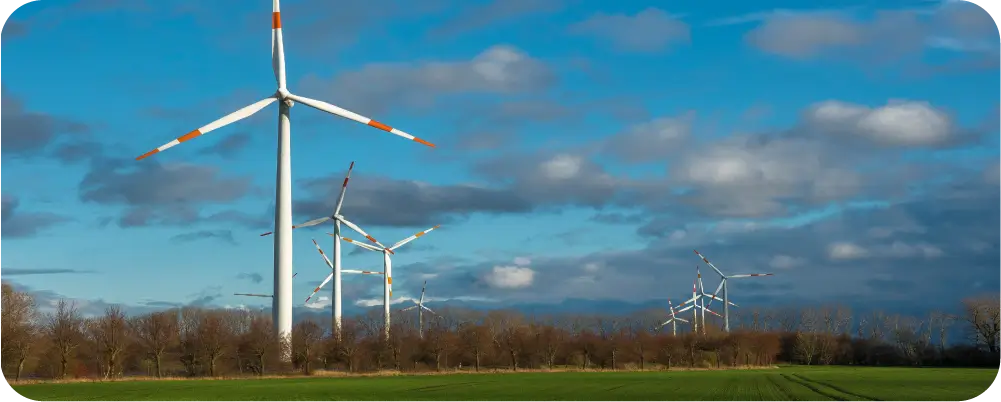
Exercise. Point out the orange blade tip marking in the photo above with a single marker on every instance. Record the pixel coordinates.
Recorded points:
(424, 142)
(276, 20)
(189, 136)
(147, 155)
(371, 238)
(380, 126)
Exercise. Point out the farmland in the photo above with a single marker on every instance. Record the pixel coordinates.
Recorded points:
(785, 383)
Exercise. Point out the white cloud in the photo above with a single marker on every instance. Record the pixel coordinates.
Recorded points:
(846, 251)
(782, 261)
(898, 123)
(510, 277)
(522, 261)
(320, 303)
(498, 69)
(562, 167)
(592, 267)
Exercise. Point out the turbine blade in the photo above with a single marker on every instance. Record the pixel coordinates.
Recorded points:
(329, 264)
(709, 263)
(347, 114)
(362, 232)
(344, 189)
(230, 118)
(408, 308)
(313, 222)
(684, 309)
(749, 275)
(412, 238)
(360, 244)
(251, 294)
(681, 319)
(718, 288)
(429, 310)
(277, 45)
(353, 271)
(421, 302)
(329, 277)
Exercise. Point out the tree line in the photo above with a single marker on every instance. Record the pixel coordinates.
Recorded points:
(194, 342)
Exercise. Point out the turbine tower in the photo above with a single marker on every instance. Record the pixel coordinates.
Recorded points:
(674, 319)
(282, 302)
(387, 293)
(722, 285)
(420, 312)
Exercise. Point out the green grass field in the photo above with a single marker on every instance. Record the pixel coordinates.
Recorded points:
(786, 383)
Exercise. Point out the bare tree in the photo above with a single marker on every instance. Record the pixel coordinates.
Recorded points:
(19, 328)
(155, 333)
(64, 329)
(982, 313)
(260, 341)
(306, 336)
(111, 335)
(476, 339)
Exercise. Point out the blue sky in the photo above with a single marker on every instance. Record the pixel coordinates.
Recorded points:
(584, 148)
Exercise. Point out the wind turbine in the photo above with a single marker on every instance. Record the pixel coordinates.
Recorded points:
(282, 303)
(337, 219)
(387, 293)
(722, 285)
(673, 320)
(332, 273)
(420, 312)
(696, 298)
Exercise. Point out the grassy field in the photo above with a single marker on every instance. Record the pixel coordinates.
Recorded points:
(786, 383)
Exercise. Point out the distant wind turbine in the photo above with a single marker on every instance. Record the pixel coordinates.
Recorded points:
(722, 285)
(387, 293)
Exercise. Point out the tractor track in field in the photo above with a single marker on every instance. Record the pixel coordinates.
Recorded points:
(836, 388)
(813, 387)
(782, 389)
(440, 386)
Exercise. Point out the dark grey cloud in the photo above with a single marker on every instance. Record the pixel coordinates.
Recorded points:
(229, 146)
(153, 193)
(205, 297)
(41, 271)
(13, 29)
(959, 221)
(30, 133)
(250, 276)
(222, 235)
(617, 218)
(17, 223)
(650, 30)
(388, 202)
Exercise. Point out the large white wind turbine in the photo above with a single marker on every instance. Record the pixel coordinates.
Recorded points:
(387, 293)
(673, 320)
(722, 285)
(337, 219)
(282, 303)
(420, 311)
